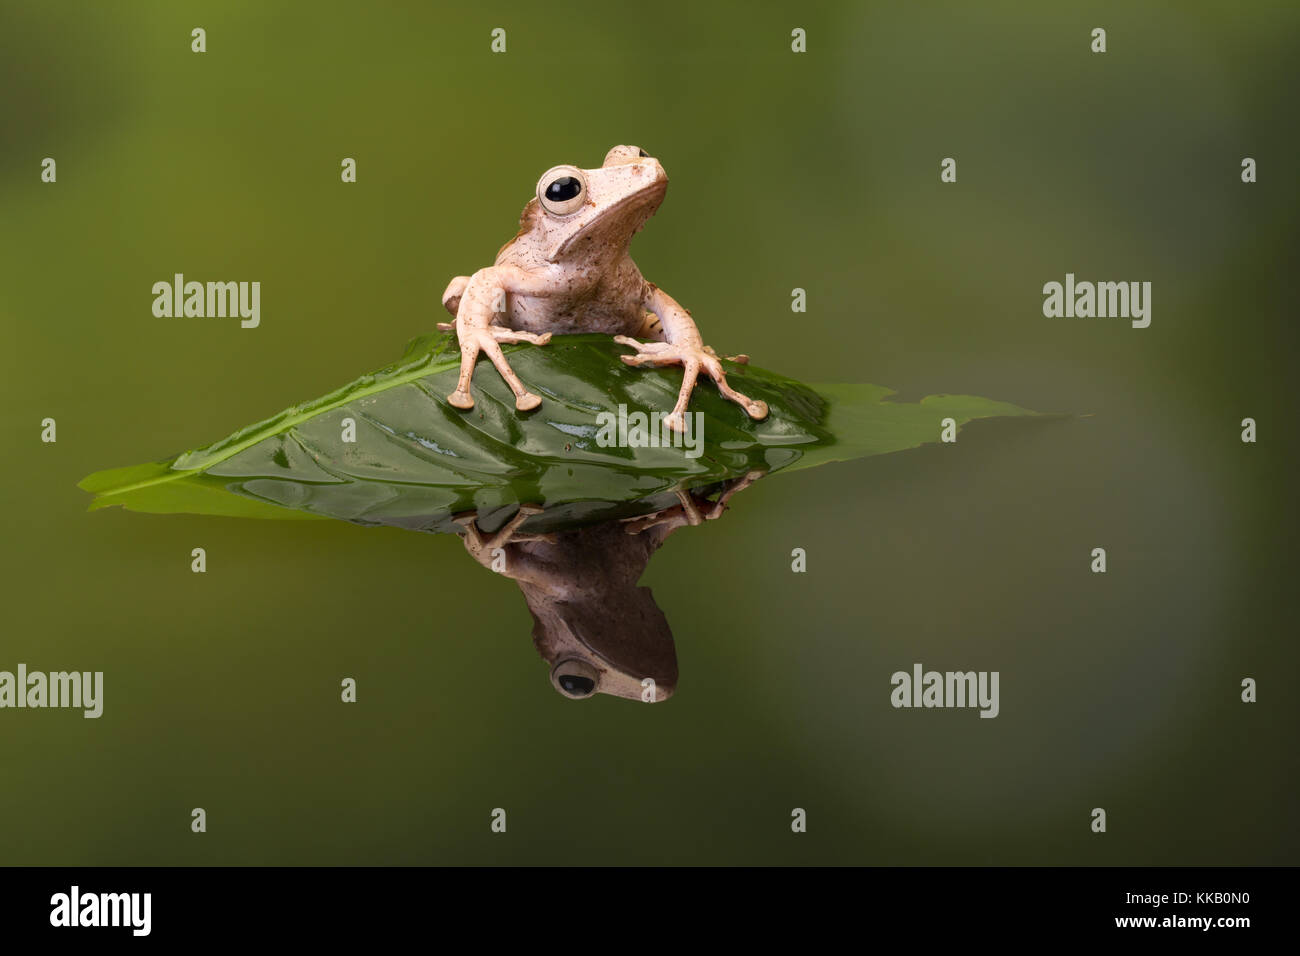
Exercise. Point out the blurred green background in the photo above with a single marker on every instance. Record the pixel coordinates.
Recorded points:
(819, 171)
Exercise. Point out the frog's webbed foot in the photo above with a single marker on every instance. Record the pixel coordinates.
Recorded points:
(692, 509)
(689, 510)
(692, 356)
(487, 339)
(479, 544)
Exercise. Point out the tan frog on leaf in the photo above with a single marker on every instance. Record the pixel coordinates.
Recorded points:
(568, 270)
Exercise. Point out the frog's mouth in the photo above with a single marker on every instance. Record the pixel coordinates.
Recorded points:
(627, 215)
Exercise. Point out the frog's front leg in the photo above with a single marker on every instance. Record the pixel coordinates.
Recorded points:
(680, 344)
(481, 546)
(506, 543)
(480, 301)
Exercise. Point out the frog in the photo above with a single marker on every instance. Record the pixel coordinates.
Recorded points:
(568, 270)
(596, 627)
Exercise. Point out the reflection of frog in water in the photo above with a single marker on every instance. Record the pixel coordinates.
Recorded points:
(568, 270)
(599, 631)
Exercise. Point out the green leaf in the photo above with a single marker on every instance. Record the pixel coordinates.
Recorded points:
(416, 460)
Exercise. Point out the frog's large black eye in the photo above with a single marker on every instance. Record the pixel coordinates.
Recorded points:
(576, 686)
(562, 191)
(575, 679)
(642, 153)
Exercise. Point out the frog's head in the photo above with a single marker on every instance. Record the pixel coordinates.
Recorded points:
(589, 215)
(610, 643)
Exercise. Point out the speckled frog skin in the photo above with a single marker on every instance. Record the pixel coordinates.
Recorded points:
(568, 270)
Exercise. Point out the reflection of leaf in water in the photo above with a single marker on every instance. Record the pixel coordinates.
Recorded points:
(416, 460)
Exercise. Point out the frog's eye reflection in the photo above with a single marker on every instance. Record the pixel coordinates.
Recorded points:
(562, 190)
(574, 679)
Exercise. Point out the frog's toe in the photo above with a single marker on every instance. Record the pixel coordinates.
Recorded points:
(527, 401)
(464, 518)
(756, 410)
(513, 336)
(461, 400)
(645, 348)
(676, 421)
